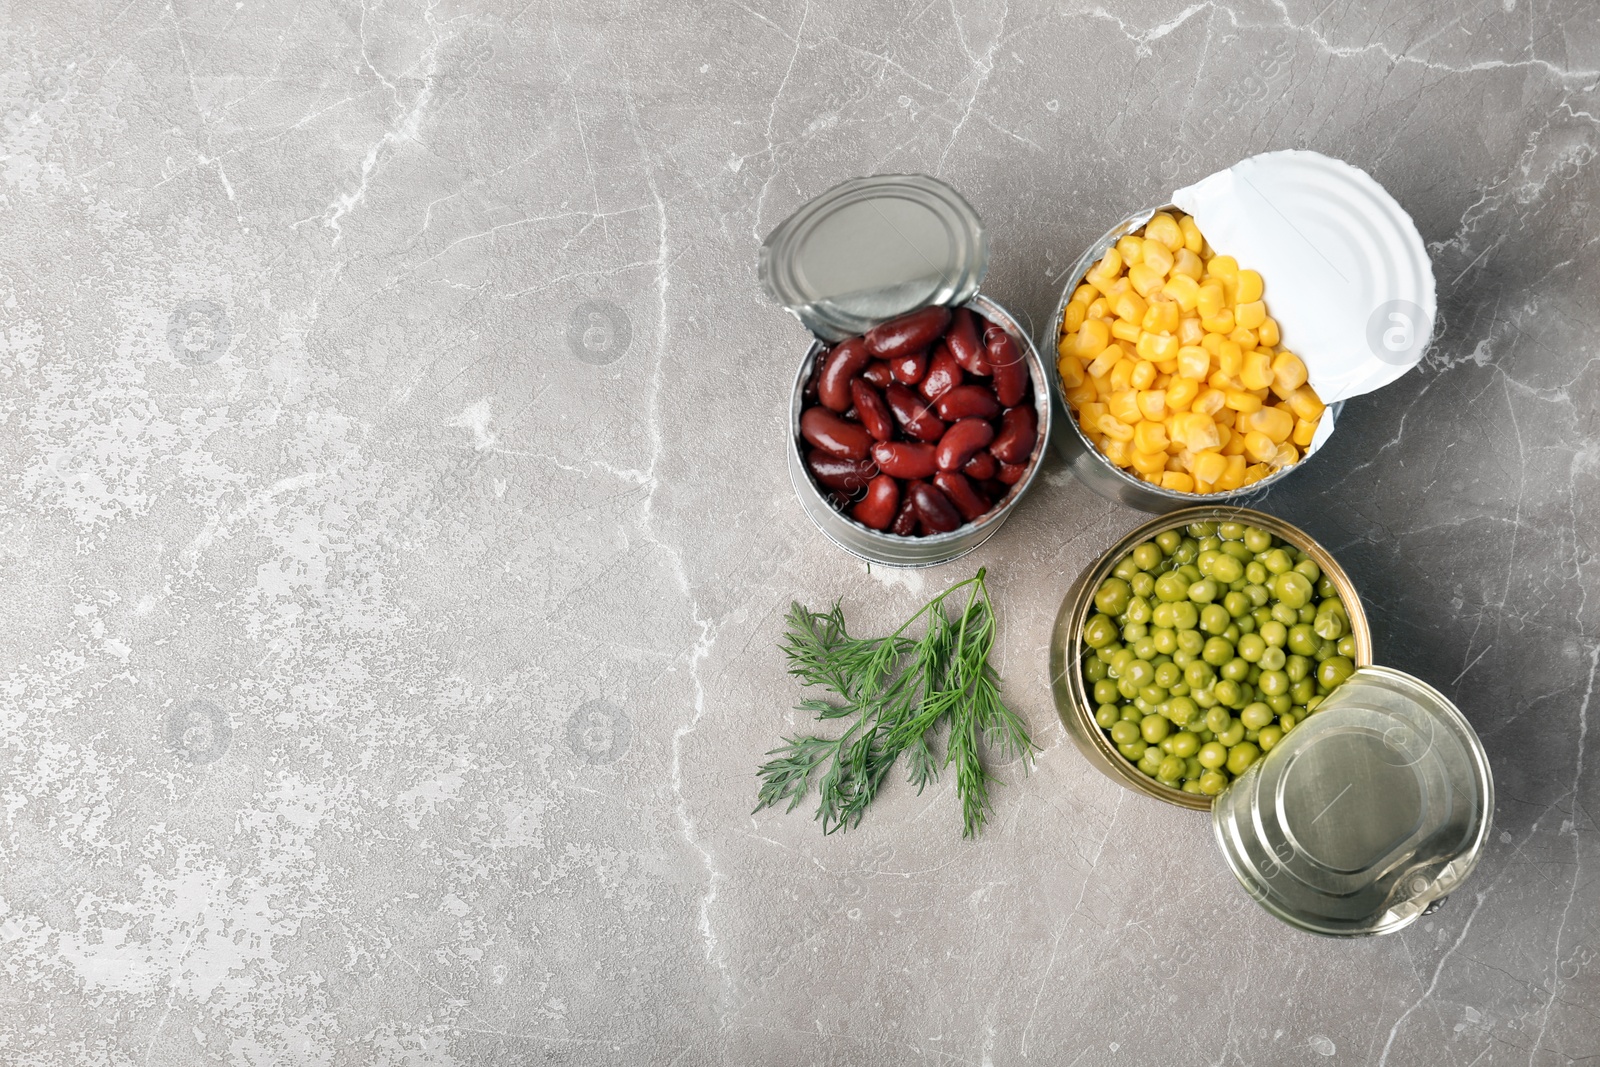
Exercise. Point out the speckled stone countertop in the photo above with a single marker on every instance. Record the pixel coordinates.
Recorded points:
(397, 536)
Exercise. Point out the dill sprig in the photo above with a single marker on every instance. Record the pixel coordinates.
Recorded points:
(898, 692)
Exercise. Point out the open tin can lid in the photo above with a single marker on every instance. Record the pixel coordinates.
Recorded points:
(1373, 808)
(872, 248)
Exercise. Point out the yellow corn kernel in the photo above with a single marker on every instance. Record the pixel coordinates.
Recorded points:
(1099, 308)
(1073, 317)
(1153, 406)
(1233, 477)
(1101, 365)
(1184, 290)
(1267, 333)
(1092, 338)
(1209, 465)
(1244, 338)
(1122, 285)
(1102, 384)
(1118, 452)
(1225, 417)
(1222, 322)
(1177, 481)
(1181, 393)
(1209, 402)
(1250, 313)
(1187, 265)
(1129, 348)
(1210, 300)
(1275, 423)
(1230, 358)
(1151, 436)
(1255, 472)
(1212, 342)
(1257, 370)
(1304, 433)
(1118, 430)
(1144, 374)
(1157, 346)
(1153, 479)
(1130, 248)
(1257, 445)
(1226, 383)
(1085, 293)
(1166, 367)
(1200, 432)
(1244, 402)
(1071, 370)
(1129, 306)
(1080, 395)
(1068, 345)
(1192, 238)
(1149, 462)
(1125, 331)
(1288, 372)
(1250, 286)
(1287, 456)
(1122, 374)
(1089, 414)
(1145, 279)
(1190, 332)
(1164, 228)
(1193, 362)
(1109, 267)
(1161, 317)
(1157, 256)
(1124, 406)
(1234, 446)
(1223, 267)
(1305, 403)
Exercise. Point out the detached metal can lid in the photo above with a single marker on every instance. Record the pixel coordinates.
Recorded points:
(872, 248)
(1369, 811)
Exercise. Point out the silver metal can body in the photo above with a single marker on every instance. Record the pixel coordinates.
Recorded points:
(1086, 461)
(891, 550)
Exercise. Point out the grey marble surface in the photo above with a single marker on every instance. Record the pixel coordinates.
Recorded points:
(397, 535)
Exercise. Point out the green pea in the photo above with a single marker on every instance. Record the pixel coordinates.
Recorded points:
(1154, 728)
(1255, 573)
(1185, 744)
(1099, 631)
(1124, 732)
(1186, 551)
(1347, 646)
(1255, 716)
(1230, 531)
(1326, 649)
(1303, 640)
(1293, 589)
(1105, 691)
(1150, 762)
(1202, 529)
(1166, 640)
(1112, 596)
(1172, 587)
(1207, 557)
(1140, 672)
(1107, 715)
(1230, 693)
(1218, 719)
(1238, 552)
(1168, 541)
(1204, 591)
(1145, 647)
(1185, 616)
(1274, 633)
(1297, 667)
(1216, 651)
(1148, 556)
(1232, 633)
(1191, 640)
(1181, 710)
(1307, 614)
(1204, 698)
(1238, 605)
(1288, 721)
(1213, 754)
(1199, 675)
(1236, 669)
(1314, 703)
(1251, 646)
(1167, 674)
(1095, 668)
(1190, 571)
(1142, 584)
(1109, 653)
(1124, 569)
(1308, 569)
(1214, 618)
(1161, 616)
(1303, 689)
(1133, 631)
(1285, 614)
(1171, 769)
(1153, 695)
(1257, 539)
(1192, 767)
(1233, 735)
(1333, 671)
(1274, 682)
(1277, 561)
(1273, 659)
(1138, 610)
(1192, 785)
(1241, 756)
(1132, 714)
(1269, 738)
(1213, 782)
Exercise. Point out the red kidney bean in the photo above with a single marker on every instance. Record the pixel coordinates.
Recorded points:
(961, 442)
(910, 368)
(980, 467)
(848, 359)
(846, 475)
(965, 400)
(1011, 473)
(961, 494)
(994, 489)
(933, 508)
(908, 333)
(905, 459)
(964, 343)
(914, 413)
(878, 508)
(808, 392)
(872, 411)
(1019, 429)
(834, 435)
(944, 374)
(905, 520)
(878, 373)
(1010, 369)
